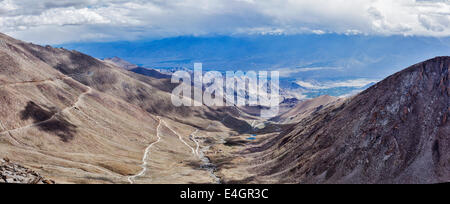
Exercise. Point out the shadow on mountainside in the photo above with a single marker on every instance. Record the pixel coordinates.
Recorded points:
(231, 122)
(57, 125)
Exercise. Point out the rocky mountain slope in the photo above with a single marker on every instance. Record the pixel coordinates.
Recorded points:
(394, 132)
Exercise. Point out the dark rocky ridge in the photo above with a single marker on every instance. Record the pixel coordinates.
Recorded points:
(397, 131)
(151, 73)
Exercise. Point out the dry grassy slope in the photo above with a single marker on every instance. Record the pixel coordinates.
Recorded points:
(63, 128)
(152, 95)
(74, 118)
(395, 132)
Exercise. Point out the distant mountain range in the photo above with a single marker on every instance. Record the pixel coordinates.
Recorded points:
(315, 59)
(288, 88)
(136, 69)
(300, 57)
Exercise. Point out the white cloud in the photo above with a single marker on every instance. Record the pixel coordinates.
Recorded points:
(122, 19)
(354, 83)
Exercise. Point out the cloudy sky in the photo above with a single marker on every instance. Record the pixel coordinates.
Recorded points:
(64, 21)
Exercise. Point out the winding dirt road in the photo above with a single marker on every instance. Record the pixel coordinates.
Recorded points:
(179, 137)
(146, 154)
(147, 150)
(54, 115)
(192, 136)
(33, 81)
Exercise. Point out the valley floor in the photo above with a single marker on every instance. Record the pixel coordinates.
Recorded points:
(179, 154)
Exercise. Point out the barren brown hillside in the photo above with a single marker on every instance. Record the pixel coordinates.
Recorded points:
(74, 118)
(395, 132)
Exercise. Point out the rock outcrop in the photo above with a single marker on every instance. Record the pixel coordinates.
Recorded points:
(15, 173)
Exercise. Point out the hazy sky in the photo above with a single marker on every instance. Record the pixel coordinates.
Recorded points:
(63, 21)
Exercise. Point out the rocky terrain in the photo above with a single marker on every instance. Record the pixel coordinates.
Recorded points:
(14, 173)
(397, 131)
